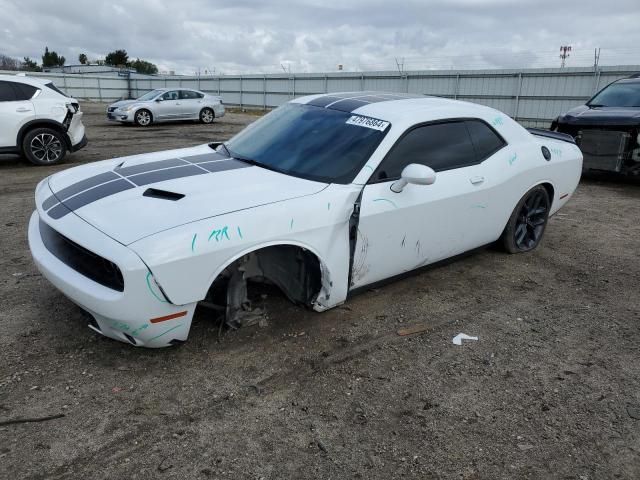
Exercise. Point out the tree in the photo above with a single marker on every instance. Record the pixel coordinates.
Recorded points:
(142, 66)
(8, 63)
(29, 65)
(82, 58)
(52, 59)
(117, 58)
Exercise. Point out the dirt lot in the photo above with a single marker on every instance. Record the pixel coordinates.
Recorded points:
(550, 390)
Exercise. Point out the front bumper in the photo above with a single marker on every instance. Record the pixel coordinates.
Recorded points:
(139, 315)
(81, 144)
(120, 116)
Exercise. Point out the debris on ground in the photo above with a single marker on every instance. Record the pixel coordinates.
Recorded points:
(457, 340)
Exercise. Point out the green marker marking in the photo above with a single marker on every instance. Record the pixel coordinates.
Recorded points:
(165, 332)
(193, 242)
(385, 200)
(151, 289)
(240, 233)
(291, 225)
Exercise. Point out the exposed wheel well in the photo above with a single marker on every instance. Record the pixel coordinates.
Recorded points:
(296, 271)
(550, 191)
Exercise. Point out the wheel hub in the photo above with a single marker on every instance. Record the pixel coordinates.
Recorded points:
(46, 147)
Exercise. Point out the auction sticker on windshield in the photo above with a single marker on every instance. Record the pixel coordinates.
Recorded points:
(367, 122)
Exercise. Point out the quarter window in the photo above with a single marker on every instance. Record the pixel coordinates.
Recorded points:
(484, 138)
(24, 91)
(441, 146)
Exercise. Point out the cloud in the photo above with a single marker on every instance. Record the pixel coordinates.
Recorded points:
(250, 36)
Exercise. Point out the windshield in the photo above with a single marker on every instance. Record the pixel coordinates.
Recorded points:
(149, 95)
(620, 94)
(310, 142)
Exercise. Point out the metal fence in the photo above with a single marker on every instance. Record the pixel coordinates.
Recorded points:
(532, 96)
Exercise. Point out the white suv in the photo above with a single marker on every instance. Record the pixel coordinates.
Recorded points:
(38, 121)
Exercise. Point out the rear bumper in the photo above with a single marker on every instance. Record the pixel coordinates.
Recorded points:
(139, 315)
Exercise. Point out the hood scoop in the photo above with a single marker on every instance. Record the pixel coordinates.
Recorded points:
(162, 194)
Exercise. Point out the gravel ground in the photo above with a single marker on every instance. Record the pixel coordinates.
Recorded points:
(550, 390)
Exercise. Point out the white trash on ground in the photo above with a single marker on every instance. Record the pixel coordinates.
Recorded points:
(457, 340)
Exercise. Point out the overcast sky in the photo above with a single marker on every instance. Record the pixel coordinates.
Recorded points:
(252, 36)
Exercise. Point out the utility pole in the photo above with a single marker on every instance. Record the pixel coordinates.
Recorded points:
(596, 58)
(400, 65)
(564, 54)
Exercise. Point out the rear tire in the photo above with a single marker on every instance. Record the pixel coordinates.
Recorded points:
(527, 222)
(207, 115)
(44, 146)
(143, 118)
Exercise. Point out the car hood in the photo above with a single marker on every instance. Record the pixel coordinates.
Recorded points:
(584, 115)
(131, 198)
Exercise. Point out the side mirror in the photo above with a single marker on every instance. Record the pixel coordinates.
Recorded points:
(414, 173)
(159, 99)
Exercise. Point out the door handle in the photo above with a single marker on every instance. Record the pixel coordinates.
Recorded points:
(23, 109)
(476, 180)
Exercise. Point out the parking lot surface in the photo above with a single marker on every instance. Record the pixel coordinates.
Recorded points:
(550, 390)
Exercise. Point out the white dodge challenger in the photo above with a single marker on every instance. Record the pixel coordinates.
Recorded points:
(321, 197)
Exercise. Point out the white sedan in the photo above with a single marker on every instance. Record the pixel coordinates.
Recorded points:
(321, 197)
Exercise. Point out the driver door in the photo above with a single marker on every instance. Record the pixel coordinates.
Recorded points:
(168, 107)
(399, 232)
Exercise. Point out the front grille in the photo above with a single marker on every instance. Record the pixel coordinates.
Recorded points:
(603, 149)
(83, 261)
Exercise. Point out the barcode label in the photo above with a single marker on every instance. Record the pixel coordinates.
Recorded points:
(367, 122)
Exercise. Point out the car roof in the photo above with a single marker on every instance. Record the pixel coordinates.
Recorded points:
(171, 89)
(632, 79)
(38, 82)
(394, 106)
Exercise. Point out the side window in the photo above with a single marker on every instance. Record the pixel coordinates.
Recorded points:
(24, 91)
(190, 95)
(172, 95)
(484, 138)
(441, 146)
(7, 93)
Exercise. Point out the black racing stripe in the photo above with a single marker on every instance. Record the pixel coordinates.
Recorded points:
(49, 202)
(348, 105)
(58, 211)
(89, 196)
(205, 157)
(168, 174)
(82, 185)
(97, 193)
(150, 166)
(324, 101)
(223, 166)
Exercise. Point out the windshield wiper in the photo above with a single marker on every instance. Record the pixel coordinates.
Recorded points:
(255, 163)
